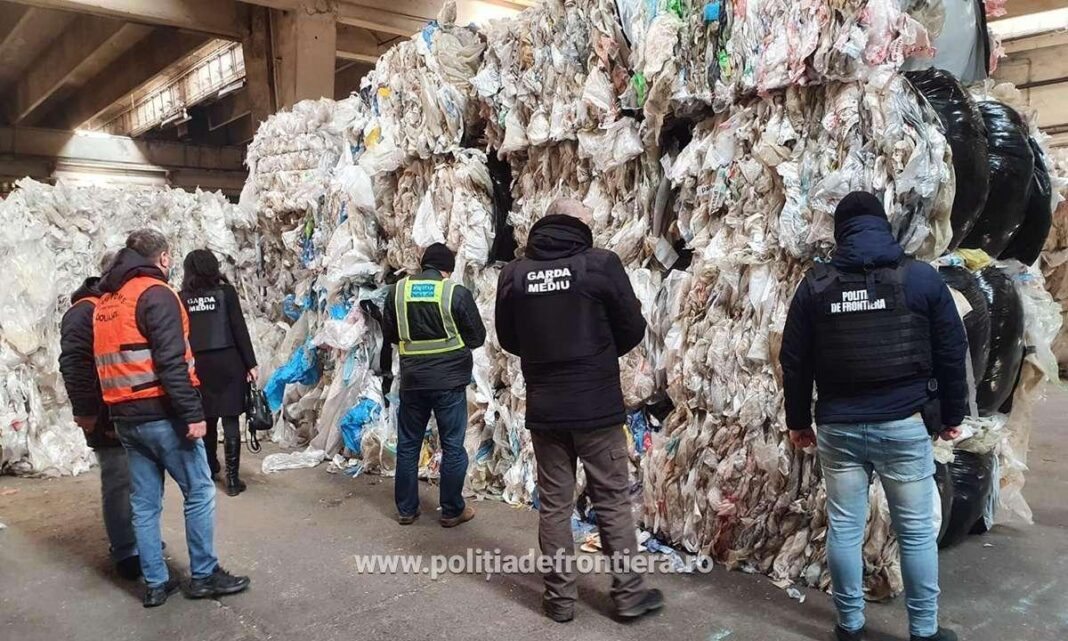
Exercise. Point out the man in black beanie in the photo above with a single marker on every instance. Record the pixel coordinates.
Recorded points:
(879, 336)
(436, 323)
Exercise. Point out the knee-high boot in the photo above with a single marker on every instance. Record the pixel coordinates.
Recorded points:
(234, 485)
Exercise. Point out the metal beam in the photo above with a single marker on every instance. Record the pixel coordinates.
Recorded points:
(30, 33)
(226, 110)
(355, 43)
(217, 17)
(397, 23)
(67, 146)
(85, 49)
(137, 67)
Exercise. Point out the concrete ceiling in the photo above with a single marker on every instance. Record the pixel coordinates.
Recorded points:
(119, 65)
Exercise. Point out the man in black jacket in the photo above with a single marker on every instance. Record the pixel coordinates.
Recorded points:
(436, 324)
(879, 336)
(83, 389)
(569, 312)
(148, 381)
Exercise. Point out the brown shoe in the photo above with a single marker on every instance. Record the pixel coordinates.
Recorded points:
(407, 519)
(465, 516)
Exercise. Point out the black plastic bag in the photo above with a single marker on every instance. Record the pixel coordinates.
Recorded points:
(977, 321)
(1006, 340)
(1012, 165)
(966, 133)
(504, 243)
(258, 416)
(1027, 244)
(973, 481)
(944, 483)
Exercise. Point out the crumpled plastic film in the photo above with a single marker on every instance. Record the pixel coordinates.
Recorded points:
(51, 239)
(421, 96)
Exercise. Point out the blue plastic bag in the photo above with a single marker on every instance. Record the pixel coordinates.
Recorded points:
(353, 422)
(302, 367)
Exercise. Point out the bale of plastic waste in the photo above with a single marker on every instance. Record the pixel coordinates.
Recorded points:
(973, 480)
(1006, 340)
(1029, 239)
(1011, 170)
(977, 320)
(967, 135)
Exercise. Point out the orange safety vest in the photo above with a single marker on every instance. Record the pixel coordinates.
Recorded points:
(123, 358)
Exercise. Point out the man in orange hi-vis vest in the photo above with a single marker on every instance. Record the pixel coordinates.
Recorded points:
(148, 381)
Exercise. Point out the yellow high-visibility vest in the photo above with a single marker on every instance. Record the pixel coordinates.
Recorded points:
(438, 292)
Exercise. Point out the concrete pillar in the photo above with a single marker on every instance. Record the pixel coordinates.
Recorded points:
(305, 48)
(259, 63)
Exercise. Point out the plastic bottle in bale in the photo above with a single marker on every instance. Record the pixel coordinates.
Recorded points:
(977, 321)
(1029, 239)
(1006, 340)
(1012, 165)
(944, 483)
(967, 135)
(973, 480)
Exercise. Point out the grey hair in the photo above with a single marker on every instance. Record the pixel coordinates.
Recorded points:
(570, 207)
(147, 242)
(107, 259)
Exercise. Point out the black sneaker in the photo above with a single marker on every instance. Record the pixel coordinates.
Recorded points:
(219, 583)
(408, 519)
(155, 597)
(841, 634)
(129, 568)
(942, 635)
(651, 602)
(560, 616)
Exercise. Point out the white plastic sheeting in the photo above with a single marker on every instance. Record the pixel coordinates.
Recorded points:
(51, 239)
(758, 118)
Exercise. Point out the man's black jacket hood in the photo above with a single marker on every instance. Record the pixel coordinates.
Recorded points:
(127, 265)
(87, 289)
(558, 236)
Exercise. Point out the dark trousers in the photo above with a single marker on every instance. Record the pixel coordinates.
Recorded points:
(450, 410)
(603, 453)
(231, 430)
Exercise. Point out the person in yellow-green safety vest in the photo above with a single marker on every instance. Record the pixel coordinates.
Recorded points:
(436, 324)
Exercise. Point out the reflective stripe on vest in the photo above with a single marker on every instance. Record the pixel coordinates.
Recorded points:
(123, 358)
(437, 292)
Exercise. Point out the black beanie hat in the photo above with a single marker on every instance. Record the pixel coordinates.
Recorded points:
(439, 257)
(856, 204)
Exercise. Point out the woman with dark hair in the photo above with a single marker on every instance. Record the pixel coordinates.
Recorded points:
(225, 360)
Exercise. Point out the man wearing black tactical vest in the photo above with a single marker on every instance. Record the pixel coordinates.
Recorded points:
(879, 336)
(436, 324)
(569, 312)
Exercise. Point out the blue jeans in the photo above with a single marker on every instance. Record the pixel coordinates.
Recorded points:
(901, 452)
(115, 495)
(153, 448)
(450, 410)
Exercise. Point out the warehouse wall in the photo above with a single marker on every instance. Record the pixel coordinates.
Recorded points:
(1038, 66)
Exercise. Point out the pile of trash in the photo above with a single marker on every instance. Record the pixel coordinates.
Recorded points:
(1055, 263)
(51, 239)
(712, 164)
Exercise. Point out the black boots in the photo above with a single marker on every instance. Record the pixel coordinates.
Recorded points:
(220, 583)
(943, 634)
(155, 597)
(234, 485)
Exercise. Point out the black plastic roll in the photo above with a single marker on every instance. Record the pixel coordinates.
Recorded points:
(977, 321)
(973, 481)
(944, 482)
(1012, 165)
(1006, 340)
(967, 135)
(1027, 243)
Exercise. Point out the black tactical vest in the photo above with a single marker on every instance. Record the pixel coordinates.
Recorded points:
(866, 335)
(556, 318)
(209, 325)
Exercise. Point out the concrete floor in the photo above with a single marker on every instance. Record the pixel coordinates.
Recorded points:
(296, 533)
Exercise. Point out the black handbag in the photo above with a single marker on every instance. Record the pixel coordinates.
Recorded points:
(258, 415)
